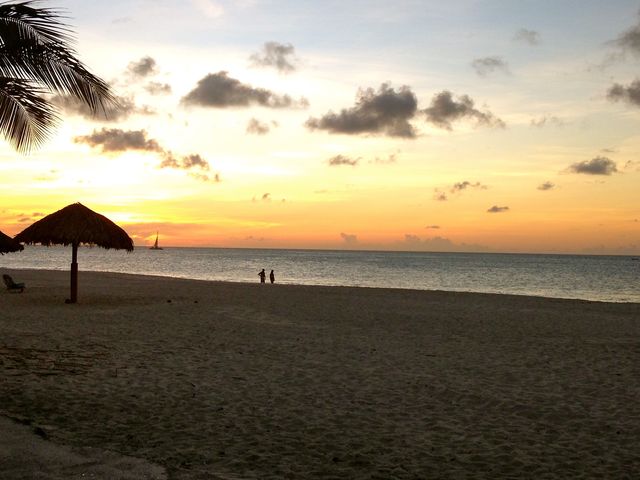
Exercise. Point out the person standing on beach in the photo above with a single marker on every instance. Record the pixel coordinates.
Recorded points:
(262, 274)
(272, 277)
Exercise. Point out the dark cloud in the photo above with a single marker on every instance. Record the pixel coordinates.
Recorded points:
(547, 186)
(349, 239)
(595, 166)
(485, 66)
(546, 120)
(629, 40)
(157, 88)
(257, 127)
(440, 196)
(432, 227)
(444, 110)
(343, 160)
(385, 112)
(278, 55)
(530, 37)
(629, 94)
(185, 162)
(142, 68)
(126, 108)
(117, 140)
(496, 209)
(219, 90)
(26, 217)
(460, 186)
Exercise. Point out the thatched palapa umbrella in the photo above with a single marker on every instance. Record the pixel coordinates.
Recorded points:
(8, 244)
(73, 225)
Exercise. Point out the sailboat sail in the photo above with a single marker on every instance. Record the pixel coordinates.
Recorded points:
(155, 245)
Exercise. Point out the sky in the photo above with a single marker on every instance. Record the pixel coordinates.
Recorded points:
(467, 125)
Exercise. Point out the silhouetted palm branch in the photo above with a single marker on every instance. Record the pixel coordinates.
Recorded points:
(25, 117)
(35, 47)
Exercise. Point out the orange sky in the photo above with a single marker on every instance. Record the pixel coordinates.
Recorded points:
(484, 129)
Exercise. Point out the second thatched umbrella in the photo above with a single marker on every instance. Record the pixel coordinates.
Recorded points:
(8, 244)
(74, 225)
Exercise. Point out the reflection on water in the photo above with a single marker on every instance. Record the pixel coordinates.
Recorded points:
(607, 278)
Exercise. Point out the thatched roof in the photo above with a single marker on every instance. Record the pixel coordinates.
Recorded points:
(8, 244)
(76, 224)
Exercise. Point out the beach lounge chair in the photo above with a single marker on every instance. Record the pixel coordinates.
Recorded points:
(11, 285)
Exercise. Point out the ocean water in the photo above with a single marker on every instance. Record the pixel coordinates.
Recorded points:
(604, 278)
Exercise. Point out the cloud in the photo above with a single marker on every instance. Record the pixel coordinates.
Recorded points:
(432, 227)
(629, 94)
(439, 244)
(256, 127)
(142, 68)
(26, 217)
(595, 166)
(485, 66)
(273, 54)
(219, 90)
(629, 40)
(444, 110)
(126, 108)
(546, 120)
(546, 186)
(157, 88)
(392, 158)
(460, 186)
(385, 112)
(632, 165)
(496, 209)
(440, 196)
(343, 160)
(349, 239)
(530, 37)
(117, 140)
(185, 162)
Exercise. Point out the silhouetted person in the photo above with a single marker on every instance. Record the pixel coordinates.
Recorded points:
(262, 274)
(272, 277)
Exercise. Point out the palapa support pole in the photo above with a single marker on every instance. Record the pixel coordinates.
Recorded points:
(74, 273)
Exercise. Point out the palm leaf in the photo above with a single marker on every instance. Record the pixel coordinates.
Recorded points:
(57, 68)
(35, 44)
(21, 20)
(26, 119)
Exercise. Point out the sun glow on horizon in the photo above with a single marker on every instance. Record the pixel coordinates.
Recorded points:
(242, 129)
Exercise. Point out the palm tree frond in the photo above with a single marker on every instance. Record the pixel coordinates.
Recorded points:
(24, 20)
(58, 69)
(26, 119)
(35, 45)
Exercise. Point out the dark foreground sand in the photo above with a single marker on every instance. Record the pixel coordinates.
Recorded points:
(180, 379)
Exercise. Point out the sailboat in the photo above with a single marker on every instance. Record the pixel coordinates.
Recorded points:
(155, 245)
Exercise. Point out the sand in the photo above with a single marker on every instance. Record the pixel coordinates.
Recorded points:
(183, 379)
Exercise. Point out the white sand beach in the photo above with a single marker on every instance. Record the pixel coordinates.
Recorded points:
(150, 377)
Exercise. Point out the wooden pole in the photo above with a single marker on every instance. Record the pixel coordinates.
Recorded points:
(74, 273)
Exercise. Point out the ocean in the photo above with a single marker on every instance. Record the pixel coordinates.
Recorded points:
(603, 278)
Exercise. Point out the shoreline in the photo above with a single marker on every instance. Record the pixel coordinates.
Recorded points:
(238, 380)
(282, 284)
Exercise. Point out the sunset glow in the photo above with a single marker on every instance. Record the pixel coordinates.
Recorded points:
(474, 125)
